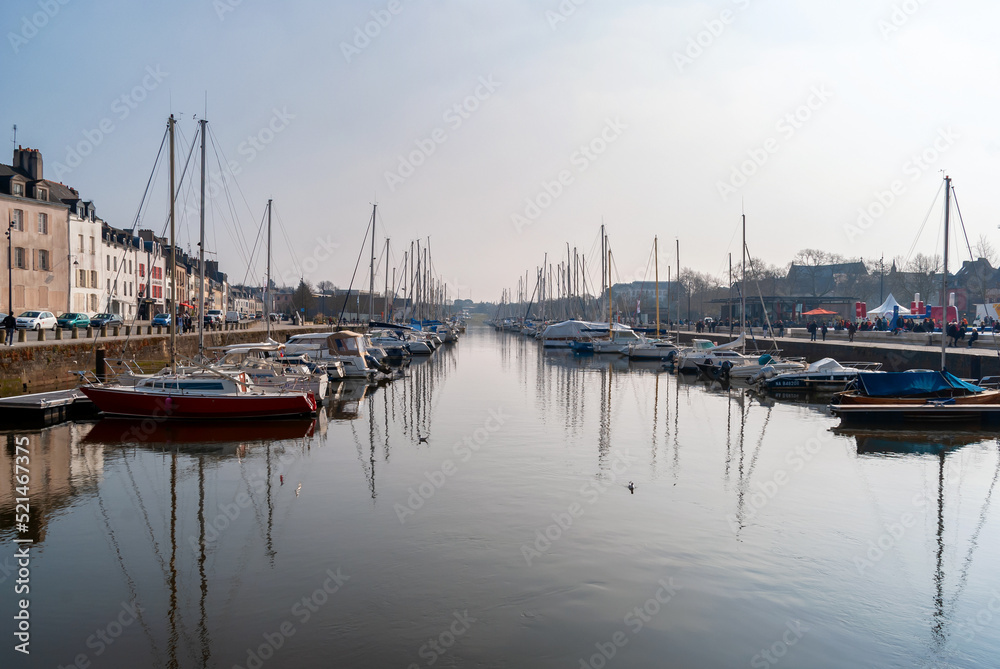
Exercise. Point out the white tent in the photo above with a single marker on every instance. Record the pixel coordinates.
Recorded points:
(887, 307)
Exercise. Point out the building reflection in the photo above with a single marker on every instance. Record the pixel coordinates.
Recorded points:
(62, 467)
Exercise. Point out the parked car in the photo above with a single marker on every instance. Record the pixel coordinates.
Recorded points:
(36, 320)
(215, 315)
(232, 317)
(72, 320)
(258, 316)
(102, 320)
(161, 319)
(275, 317)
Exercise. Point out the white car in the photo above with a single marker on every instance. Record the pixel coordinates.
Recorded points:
(36, 320)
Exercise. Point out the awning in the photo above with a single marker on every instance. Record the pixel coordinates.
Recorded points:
(185, 304)
(819, 312)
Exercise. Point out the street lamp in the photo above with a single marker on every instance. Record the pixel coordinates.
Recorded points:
(10, 270)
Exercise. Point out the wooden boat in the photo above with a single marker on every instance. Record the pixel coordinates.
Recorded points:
(918, 395)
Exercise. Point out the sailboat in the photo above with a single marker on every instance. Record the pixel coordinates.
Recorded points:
(207, 393)
(920, 396)
(654, 349)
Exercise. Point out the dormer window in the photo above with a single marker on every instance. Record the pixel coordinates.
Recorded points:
(42, 193)
(17, 189)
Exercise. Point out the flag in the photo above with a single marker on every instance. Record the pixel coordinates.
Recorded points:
(637, 306)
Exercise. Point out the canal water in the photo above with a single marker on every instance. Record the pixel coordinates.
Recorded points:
(478, 514)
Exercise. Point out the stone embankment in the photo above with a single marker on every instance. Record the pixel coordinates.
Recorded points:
(897, 353)
(33, 365)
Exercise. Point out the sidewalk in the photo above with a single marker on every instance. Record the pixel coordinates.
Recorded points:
(50, 340)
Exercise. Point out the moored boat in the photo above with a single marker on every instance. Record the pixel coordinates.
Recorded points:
(198, 396)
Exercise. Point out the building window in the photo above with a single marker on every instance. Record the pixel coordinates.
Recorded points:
(42, 193)
(93, 278)
(81, 278)
(108, 258)
(17, 189)
(116, 264)
(93, 302)
(109, 285)
(142, 270)
(129, 266)
(43, 260)
(18, 220)
(20, 258)
(91, 246)
(81, 242)
(43, 224)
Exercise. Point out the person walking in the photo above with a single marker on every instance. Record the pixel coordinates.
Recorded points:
(812, 330)
(823, 329)
(10, 324)
(851, 329)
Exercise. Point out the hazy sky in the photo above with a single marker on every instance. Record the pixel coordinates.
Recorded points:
(503, 130)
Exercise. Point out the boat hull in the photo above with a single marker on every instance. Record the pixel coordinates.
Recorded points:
(129, 402)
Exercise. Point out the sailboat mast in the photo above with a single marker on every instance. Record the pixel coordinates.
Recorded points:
(743, 285)
(371, 283)
(385, 299)
(201, 252)
(604, 259)
(610, 309)
(267, 280)
(656, 276)
(173, 258)
(944, 274)
(678, 290)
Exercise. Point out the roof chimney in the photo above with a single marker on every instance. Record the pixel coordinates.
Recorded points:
(29, 161)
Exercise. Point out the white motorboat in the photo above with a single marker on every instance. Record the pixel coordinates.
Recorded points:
(704, 351)
(562, 335)
(749, 370)
(825, 374)
(345, 346)
(652, 349)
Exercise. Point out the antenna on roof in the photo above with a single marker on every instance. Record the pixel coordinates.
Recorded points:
(13, 139)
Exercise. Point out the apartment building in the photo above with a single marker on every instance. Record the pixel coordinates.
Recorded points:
(36, 219)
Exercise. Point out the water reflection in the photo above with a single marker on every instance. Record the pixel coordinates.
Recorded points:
(216, 530)
(940, 450)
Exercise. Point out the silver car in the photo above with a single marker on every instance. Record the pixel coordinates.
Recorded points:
(36, 320)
